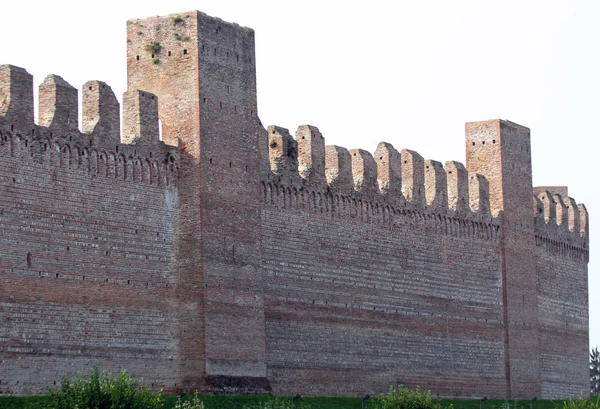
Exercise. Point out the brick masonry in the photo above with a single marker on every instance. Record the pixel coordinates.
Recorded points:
(232, 258)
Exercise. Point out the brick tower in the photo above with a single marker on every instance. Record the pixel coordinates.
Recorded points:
(500, 151)
(202, 70)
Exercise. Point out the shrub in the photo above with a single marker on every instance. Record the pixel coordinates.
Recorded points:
(102, 390)
(194, 403)
(176, 20)
(179, 37)
(154, 48)
(580, 403)
(404, 398)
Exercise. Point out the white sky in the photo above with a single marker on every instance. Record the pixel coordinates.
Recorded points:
(407, 72)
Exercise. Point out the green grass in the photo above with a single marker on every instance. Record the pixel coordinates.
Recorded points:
(501, 404)
(23, 402)
(239, 402)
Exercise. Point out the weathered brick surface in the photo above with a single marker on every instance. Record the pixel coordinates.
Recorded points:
(232, 258)
(86, 255)
(499, 150)
(204, 76)
(561, 269)
(355, 303)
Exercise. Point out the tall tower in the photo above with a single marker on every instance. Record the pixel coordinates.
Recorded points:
(500, 150)
(203, 71)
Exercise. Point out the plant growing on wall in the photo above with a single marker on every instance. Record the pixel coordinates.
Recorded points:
(179, 37)
(154, 48)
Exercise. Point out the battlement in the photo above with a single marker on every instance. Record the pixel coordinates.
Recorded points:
(98, 149)
(402, 179)
(559, 217)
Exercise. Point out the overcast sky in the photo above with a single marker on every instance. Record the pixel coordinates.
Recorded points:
(407, 72)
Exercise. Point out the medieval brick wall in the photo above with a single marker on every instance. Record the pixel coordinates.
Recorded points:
(88, 227)
(85, 268)
(561, 271)
(239, 259)
(357, 300)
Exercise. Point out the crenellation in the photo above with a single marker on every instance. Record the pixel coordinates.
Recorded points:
(557, 216)
(573, 214)
(311, 154)
(457, 179)
(436, 190)
(58, 106)
(562, 217)
(338, 169)
(364, 173)
(584, 226)
(283, 153)
(549, 205)
(140, 117)
(413, 177)
(441, 190)
(479, 194)
(101, 111)
(16, 97)
(389, 172)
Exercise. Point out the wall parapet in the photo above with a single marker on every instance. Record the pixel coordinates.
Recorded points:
(559, 220)
(329, 204)
(98, 150)
(403, 180)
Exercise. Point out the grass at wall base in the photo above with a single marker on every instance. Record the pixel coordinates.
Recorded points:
(101, 390)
